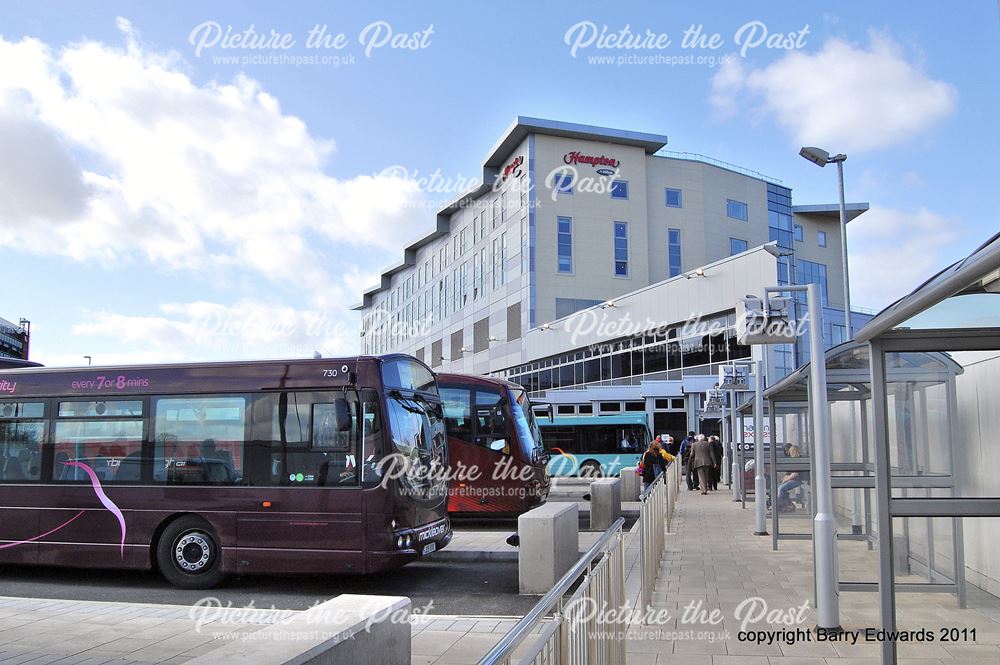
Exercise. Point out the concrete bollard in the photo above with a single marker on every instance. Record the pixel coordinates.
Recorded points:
(605, 503)
(631, 484)
(550, 545)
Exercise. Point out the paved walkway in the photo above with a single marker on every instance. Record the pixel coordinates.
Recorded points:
(713, 562)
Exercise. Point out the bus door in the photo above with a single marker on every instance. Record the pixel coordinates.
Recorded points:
(308, 479)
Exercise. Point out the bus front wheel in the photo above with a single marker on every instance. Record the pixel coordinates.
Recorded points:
(189, 555)
(590, 469)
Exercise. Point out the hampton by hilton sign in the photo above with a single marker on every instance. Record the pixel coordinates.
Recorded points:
(514, 168)
(601, 163)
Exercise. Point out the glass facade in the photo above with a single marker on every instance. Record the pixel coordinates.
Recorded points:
(674, 252)
(781, 231)
(668, 353)
(808, 272)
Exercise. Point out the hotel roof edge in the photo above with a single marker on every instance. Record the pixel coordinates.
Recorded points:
(853, 210)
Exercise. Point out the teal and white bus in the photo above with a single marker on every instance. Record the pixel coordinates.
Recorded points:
(591, 446)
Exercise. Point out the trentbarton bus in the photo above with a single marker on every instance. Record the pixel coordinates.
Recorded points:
(201, 470)
(494, 446)
(591, 446)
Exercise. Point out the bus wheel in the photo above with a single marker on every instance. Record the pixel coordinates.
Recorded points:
(590, 469)
(189, 555)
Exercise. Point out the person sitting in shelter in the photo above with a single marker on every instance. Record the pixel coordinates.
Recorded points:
(790, 481)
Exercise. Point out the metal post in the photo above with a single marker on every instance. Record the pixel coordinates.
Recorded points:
(828, 601)
(725, 447)
(883, 492)
(734, 475)
(856, 500)
(760, 484)
(843, 251)
(772, 415)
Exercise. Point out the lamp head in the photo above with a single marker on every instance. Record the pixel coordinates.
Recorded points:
(817, 156)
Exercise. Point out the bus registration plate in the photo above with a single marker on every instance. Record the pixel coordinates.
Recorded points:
(428, 548)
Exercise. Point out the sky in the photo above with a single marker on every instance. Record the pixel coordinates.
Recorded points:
(221, 180)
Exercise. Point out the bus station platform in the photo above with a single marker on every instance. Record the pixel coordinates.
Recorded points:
(712, 562)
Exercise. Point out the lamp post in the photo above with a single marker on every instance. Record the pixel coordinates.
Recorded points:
(89, 359)
(821, 158)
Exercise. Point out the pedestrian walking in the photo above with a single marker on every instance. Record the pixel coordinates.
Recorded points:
(702, 461)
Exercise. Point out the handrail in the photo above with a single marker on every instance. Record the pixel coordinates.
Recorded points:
(520, 631)
(646, 492)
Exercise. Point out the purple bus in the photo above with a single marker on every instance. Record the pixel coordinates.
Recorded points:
(205, 470)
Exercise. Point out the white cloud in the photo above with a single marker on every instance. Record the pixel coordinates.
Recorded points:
(893, 251)
(847, 97)
(114, 153)
(210, 331)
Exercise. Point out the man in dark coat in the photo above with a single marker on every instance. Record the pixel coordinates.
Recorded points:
(686, 443)
(717, 453)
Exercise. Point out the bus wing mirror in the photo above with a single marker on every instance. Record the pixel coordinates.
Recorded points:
(498, 445)
(342, 415)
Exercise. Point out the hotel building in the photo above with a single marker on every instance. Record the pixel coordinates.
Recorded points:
(577, 269)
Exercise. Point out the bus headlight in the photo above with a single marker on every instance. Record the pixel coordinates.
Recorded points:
(401, 542)
(409, 541)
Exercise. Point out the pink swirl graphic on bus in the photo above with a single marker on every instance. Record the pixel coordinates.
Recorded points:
(47, 533)
(108, 503)
(105, 501)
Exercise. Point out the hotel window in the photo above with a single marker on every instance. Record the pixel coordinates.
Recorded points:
(621, 249)
(673, 198)
(737, 210)
(477, 274)
(564, 240)
(674, 252)
(463, 237)
(503, 258)
(482, 275)
(463, 298)
(475, 229)
(737, 246)
(798, 233)
(562, 183)
(495, 206)
(821, 238)
(619, 189)
(496, 263)
(503, 206)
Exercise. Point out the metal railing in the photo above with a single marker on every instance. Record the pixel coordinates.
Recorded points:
(588, 627)
(656, 508)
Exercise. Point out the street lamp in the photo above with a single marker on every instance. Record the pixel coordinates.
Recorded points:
(88, 359)
(821, 158)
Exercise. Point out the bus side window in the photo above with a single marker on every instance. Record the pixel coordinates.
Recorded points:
(199, 440)
(491, 429)
(20, 445)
